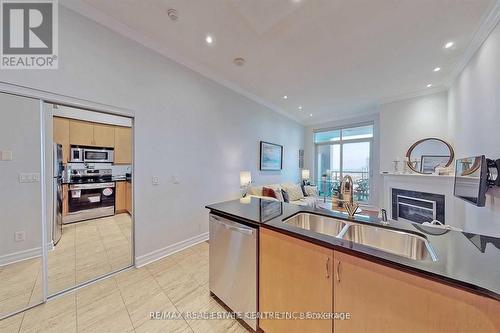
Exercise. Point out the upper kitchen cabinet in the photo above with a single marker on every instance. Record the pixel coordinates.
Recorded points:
(123, 145)
(104, 135)
(61, 135)
(84, 133)
(81, 133)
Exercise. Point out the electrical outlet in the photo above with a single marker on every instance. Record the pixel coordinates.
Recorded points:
(29, 177)
(156, 180)
(20, 236)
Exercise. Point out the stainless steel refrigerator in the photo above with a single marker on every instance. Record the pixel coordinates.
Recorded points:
(57, 200)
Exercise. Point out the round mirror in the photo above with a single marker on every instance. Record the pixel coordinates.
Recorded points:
(425, 155)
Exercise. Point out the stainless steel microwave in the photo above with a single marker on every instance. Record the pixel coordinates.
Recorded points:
(91, 155)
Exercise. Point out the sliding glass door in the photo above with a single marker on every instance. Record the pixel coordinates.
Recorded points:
(44, 249)
(341, 152)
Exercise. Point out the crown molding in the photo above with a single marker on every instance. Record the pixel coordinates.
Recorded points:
(113, 24)
(413, 94)
(490, 20)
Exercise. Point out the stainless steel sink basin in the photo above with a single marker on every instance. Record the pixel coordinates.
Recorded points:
(392, 241)
(317, 223)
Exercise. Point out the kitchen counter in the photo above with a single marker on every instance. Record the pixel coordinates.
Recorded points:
(465, 260)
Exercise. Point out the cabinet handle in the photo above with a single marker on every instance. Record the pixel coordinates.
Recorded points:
(338, 271)
(328, 267)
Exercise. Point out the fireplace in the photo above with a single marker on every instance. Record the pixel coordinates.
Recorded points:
(417, 207)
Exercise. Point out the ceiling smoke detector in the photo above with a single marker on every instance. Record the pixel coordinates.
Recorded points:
(239, 61)
(172, 14)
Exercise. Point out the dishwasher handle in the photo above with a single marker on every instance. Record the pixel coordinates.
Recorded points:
(229, 226)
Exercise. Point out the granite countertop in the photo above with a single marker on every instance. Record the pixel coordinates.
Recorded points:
(466, 260)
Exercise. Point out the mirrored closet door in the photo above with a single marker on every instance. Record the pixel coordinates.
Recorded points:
(91, 186)
(21, 251)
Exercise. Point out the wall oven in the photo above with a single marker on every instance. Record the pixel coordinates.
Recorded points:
(91, 155)
(90, 201)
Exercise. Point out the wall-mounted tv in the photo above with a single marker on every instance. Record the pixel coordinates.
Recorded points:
(471, 180)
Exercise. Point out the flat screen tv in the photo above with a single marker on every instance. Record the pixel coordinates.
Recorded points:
(471, 180)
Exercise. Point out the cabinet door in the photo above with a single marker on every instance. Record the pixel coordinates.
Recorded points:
(104, 135)
(61, 135)
(383, 299)
(129, 197)
(65, 202)
(121, 197)
(294, 276)
(123, 145)
(81, 133)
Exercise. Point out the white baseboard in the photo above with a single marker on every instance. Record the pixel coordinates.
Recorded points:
(12, 258)
(171, 249)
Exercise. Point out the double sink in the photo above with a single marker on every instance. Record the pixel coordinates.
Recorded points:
(409, 245)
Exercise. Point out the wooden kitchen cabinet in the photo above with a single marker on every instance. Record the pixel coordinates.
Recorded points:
(123, 145)
(81, 133)
(104, 135)
(384, 299)
(61, 135)
(65, 198)
(121, 197)
(84, 133)
(128, 197)
(294, 276)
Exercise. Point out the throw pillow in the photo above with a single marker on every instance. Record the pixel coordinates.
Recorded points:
(268, 192)
(277, 191)
(294, 192)
(285, 196)
(311, 191)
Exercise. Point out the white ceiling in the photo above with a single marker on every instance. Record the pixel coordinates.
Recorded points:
(334, 57)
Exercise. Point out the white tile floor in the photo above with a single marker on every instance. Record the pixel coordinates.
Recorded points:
(122, 303)
(86, 250)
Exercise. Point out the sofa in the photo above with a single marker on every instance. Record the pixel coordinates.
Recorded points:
(294, 191)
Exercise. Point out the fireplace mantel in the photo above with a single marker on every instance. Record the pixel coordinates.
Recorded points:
(418, 175)
(421, 183)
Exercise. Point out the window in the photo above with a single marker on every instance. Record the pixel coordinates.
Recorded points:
(341, 152)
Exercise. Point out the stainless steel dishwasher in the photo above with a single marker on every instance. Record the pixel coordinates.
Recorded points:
(233, 265)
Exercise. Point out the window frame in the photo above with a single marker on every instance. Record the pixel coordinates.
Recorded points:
(341, 143)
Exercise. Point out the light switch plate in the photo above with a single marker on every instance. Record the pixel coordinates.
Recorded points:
(6, 155)
(156, 180)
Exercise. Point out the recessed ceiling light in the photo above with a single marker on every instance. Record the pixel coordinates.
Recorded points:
(300, 107)
(209, 39)
(429, 85)
(437, 69)
(285, 97)
(310, 114)
(448, 45)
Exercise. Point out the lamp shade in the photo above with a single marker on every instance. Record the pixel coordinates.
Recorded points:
(245, 178)
(305, 174)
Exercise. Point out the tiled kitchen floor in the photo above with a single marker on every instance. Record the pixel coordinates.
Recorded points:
(123, 303)
(86, 250)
